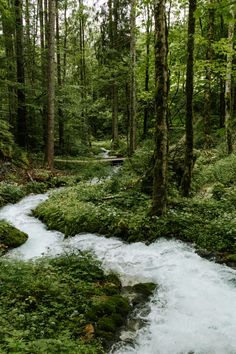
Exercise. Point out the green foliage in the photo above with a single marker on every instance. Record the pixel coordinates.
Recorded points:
(212, 169)
(52, 306)
(10, 193)
(6, 140)
(117, 207)
(10, 237)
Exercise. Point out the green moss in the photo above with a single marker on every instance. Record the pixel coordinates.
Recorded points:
(58, 305)
(145, 289)
(10, 236)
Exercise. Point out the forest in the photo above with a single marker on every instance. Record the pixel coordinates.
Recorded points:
(117, 176)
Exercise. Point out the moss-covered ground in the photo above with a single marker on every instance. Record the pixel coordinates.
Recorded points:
(119, 207)
(10, 237)
(61, 305)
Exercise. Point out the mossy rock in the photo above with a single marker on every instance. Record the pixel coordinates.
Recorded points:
(11, 237)
(108, 314)
(139, 294)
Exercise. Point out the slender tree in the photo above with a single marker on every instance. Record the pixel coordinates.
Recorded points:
(147, 64)
(8, 34)
(228, 84)
(21, 107)
(161, 100)
(59, 82)
(50, 85)
(112, 32)
(188, 167)
(209, 60)
(132, 145)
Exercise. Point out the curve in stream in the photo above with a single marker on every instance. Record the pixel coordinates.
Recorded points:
(194, 307)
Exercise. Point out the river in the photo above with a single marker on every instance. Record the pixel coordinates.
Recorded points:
(193, 309)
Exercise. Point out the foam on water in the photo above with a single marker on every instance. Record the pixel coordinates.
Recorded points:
(194, 307)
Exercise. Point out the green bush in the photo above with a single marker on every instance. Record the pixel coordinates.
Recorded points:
(10, 193)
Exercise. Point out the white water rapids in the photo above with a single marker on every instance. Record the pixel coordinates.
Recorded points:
(194, 307)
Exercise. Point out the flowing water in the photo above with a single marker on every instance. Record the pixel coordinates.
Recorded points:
(194, 307)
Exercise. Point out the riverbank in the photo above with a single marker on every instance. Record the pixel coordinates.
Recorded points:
(194, 292)
(119, 207)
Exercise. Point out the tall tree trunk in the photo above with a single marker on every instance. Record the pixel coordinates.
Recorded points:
(50, 85)
(65, 42)
(21, 108)
(161, 100)
(43, 28)
(187, 176)
(209, 59)
(82, 72)
(8, 31)
(113, 24)
(132, 142)
(59, 82)
(146, 109)
(228, 84)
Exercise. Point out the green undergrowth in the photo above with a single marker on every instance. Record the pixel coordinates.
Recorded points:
(61, 305)
(118, 207)
(17, 183)
(10, 237)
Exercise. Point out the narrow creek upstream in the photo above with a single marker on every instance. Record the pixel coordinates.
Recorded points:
(194, 307)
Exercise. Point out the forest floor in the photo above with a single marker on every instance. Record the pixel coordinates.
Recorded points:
(116, 206)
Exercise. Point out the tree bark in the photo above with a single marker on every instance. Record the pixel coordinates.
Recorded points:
(21, 108)
(159, 198)
(209, 59)
(146, 110)
(50, 85)
(59, 83)
(8, 31)
(82, 73)
(228, 84)
(187, 176)
(112, 32)
(132, 145)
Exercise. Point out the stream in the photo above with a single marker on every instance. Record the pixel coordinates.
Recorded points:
(194, 307)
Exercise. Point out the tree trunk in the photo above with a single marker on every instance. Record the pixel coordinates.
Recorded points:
(146, 110)
(228, 84)
(21, 108)
(65, 42)
(132, 142)
(209, 59)
(112, 31)
(51, 85)
(159, 197)
(8, 31)
(43, 29)
(59, 82)
(82, 73)
(187, 176)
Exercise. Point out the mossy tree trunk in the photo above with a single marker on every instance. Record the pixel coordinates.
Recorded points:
(161, 100)
(188, 166)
